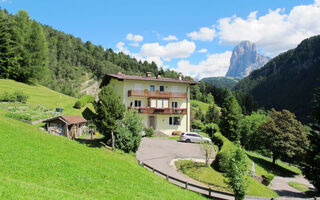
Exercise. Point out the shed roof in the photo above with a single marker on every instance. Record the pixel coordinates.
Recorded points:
(76, 119)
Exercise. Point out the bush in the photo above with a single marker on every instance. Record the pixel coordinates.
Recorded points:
(208, 129)
(20, 96)
(84, 100)
(149, 132)
(128, 132)
(78, 105)
(197, 124)
(267, 179)
(13, 97)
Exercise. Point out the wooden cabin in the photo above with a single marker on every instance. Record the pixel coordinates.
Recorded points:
(69, 126)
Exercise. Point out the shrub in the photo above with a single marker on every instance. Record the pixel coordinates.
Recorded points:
(267, 179)
(128, 132)
(78, 105)
(84, 100)
(20, 96)
(197, 124)
(13, 97)
(208, 128)
(149, 132)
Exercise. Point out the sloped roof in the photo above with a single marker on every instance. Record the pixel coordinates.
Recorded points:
(76, 119)
(150, 78)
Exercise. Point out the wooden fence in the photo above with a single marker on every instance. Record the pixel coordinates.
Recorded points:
(208, 192)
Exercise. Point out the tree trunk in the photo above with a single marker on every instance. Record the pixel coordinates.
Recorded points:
(274, 160)
(112, 138)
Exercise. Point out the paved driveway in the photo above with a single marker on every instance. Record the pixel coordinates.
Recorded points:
(158, 153)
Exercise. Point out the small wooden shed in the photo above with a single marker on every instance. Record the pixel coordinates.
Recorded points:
(69, 126)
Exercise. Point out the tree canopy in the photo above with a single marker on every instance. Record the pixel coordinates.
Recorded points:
(284, 136)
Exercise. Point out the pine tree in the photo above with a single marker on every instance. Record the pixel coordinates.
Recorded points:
(7, 58)
(213, 114)
(229, 121)
(109, 110)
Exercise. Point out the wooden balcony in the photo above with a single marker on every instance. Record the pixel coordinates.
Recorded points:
(156, 94)
(161, 111)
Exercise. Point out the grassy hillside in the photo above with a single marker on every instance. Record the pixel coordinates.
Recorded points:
(198, 104)
(36, 165)
(39, 95)
(222, 82)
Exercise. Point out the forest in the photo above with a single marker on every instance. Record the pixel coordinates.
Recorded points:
(36, 53)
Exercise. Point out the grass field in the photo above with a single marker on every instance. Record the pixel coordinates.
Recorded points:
(39, 95)
(198, 104)
(37, 165)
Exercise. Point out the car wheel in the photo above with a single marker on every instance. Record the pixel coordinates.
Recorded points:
(188, 140)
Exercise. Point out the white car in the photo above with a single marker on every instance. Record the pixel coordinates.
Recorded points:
(193, 137)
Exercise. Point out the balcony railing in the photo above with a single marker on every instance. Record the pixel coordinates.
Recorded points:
(157, 94)
(164, 111)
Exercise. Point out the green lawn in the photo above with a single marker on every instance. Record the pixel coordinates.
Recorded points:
(299, 186)
(37, 165)
(198, 104)
(216, 180)
(39, 95)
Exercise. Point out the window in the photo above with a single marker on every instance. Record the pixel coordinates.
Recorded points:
(165, 103)
(174, 120)
(159, 103)
(161, 88)
(153, 103)
(137, 103)
(174, 104)
(152, 88)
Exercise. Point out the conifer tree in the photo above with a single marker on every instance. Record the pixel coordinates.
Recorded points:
(230, 117)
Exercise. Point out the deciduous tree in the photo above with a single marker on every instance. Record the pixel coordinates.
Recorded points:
(283, 135)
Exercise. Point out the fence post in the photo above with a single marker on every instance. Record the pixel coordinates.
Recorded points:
(186, 185)
(167, 177)
(209, 192)
(153, 170)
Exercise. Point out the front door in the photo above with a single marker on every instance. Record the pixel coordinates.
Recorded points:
(152, 122)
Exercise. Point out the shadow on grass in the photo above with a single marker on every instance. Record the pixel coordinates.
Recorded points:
(275, 169)
(95, 143)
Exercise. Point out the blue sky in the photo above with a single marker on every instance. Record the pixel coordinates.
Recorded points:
(194, 37)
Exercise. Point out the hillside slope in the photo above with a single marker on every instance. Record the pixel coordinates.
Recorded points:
(222, 82)
(288, 80)
(37, 165)
(40, 95)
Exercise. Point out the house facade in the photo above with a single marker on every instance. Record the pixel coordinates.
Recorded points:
(163, 103)
(69, 126)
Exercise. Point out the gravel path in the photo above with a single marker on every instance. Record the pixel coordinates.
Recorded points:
(280, 185)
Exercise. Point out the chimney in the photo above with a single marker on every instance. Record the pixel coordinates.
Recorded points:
(180, 76)
(158, 76)
(148, 74)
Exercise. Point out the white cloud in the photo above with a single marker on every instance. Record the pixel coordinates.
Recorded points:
(170, 38)
(274, 32)
(122, 48)
(135, 38)
(214, 65)
(204, 34)
(202, 50)
(182, 49)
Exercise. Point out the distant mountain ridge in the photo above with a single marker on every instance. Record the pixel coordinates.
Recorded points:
(222, 82)
(288, 81)
(245, 59)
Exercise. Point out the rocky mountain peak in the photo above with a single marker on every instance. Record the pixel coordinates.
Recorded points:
(245, 58)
